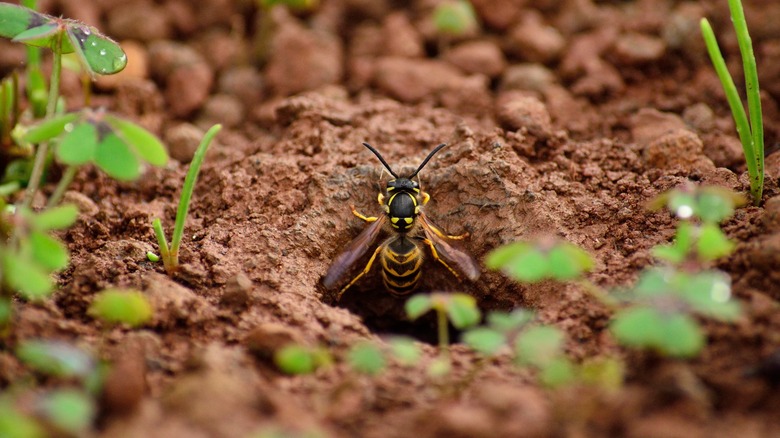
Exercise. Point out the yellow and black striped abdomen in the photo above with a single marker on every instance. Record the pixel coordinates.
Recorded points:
(401, 260)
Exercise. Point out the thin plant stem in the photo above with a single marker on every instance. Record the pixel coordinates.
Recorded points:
(162, 242)
(189, 186)
(599, 294)
(33, 53)
(751, 87)
(737, 111)
(51, 106)
(444, 334)
(9, 188)
(62, 186)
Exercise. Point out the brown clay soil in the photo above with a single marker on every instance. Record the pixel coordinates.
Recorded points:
(563, 118)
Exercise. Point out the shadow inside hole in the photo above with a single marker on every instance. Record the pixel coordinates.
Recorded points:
(384, 314)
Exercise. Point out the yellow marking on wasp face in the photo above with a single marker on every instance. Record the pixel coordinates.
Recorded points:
(394, 220)
(416, 190)
(408, 220)
(417, 210)
(414, 200)
(394, 225)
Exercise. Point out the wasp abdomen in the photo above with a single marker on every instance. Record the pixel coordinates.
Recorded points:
(401, 261)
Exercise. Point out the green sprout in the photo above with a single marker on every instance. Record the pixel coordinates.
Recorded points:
(37, 95)
(170, 254)
(15, 155)
(460, 309)
(702, 240)
(751, 133)
(660, 308)
(299, 359)
(56, 358)
(546, 260)
(27, 266)
(115, 145)
(455, 17)
(69, 410)
(404, 350)
(538, 347)
(98, 53)
(117, 306)
(16, 424)
(367, 358)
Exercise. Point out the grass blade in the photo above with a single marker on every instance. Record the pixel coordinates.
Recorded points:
(737, 109)
(751, 88)
(189, 185)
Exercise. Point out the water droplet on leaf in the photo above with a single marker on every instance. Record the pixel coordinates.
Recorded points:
(684, 211)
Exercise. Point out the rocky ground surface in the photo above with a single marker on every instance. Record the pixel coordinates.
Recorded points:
(563, 118)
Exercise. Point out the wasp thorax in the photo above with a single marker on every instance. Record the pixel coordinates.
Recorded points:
(402, 206)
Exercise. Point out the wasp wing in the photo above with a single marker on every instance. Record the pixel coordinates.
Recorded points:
(449, 253)
(356, 249)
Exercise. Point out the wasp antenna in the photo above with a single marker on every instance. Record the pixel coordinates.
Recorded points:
(387, 166)
(428, 158)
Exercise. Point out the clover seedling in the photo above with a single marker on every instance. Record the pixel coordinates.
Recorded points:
(70, 410)
(533, 262)
(539, 347)
(367, 358)
(498, 332)
(116, 306)
(98, 53)
(460, 309)
(298, 359)
(56, 358)
(16, 424)
(170, 254)
(751, 132)
(404, 350)
(661, 305)
(27, 266)
(116, 146)
(455, 18)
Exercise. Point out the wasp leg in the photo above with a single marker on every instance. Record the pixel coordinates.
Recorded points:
(380, 198)
(441, 233)
(362, 273)
(439, 259)
(425, 197)
(365, 218)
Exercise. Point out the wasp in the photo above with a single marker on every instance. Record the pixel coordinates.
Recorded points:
(401, 255)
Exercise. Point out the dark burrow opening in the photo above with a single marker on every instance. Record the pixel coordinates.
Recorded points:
(384, 314)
